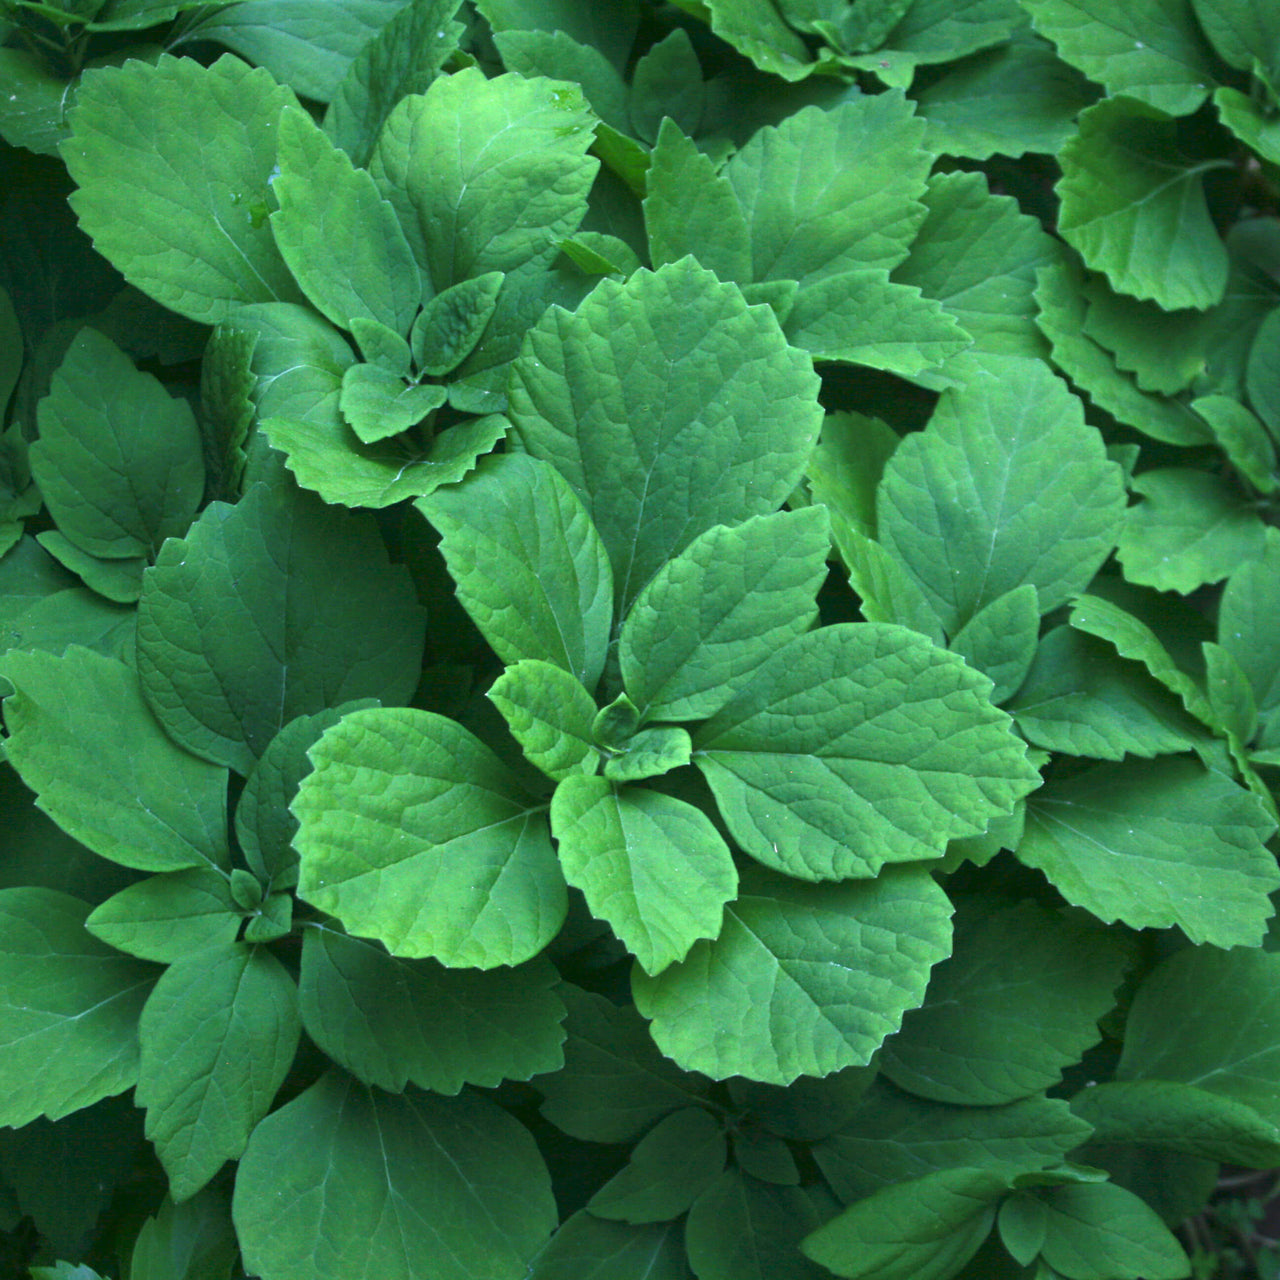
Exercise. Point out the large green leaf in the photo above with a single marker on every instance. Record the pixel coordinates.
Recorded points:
(486, 174)
(803, 979)
(529, 566)
(83, 738)
(273, 608)
(218, 1032)
(118, 460)
(1016, 1002)
(69, 1008)
(348, 1181)
(1134, 207)
(1007, 485)
(1155, 844)
(856, 745)
(670, 406)
(414, 833)
(173, 162)
(715, 611)
(393, 1022)
(626, 847)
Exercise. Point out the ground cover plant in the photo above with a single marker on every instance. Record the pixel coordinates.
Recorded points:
(639, 640)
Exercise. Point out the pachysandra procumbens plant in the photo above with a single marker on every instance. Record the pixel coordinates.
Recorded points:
(569, 797)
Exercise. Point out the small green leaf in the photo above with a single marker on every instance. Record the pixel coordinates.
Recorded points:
(1000, 639)
(219, 1032)
(1023, 1222)
(451, 324)
(590, 1248)
(167, 917)
(1243, 439)
(1244, 33)
(414, 833)
(625, 846)
(667, 85)
(274, 919)
(550, 715)
(1229, 692)
(393, 1022)
(117, 580)
(378, 403)
(649, 753)
(1245, 629)
(193, 1240)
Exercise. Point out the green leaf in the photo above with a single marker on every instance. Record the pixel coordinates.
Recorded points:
(690, 208)
(83, 738)
(649, 753)
(401, 1186)
(741, 1229)
(802, 980)
(486, 174)
(666, 1172)
(1207, 1018)
(666, 84)
(225, 666)
(1000, 639)
(614, 1083)
(925, 1229)
(892, 1137)
(1229, 693)
(550, 715)
(1081, 698)
(1243, 439)
(1244, 33)
(33, 112)
(590, 1248)
(856, 745)
(1179, 1117)
(846, 467)
(193, 1240)
(1006, 485)
(1102, 1230)
(530, 568)
(1262, 373)
(765, 1156)
(118, 580)
(1151, 50)
(218, 1032)
(393, 1022)
(340, 239)
(1156, 844)
(173, 162)
(1250, 121)
(625, 847)
(558, 56)
(669, 406)
(1134, 207)
(1009, 100)
(1245, 623)
(450, 325)
(827, 192)
(69, 1009)
(118, 460)
(414, 833)
(612, 30)
(167, 917)
(757, 31)
(716, 610)
(1022, 1224)
(1192, 528)
(378, 403)
(1016, 1002)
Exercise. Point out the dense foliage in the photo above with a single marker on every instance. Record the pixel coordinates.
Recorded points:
(637, 640)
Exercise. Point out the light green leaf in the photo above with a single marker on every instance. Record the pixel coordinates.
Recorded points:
(612, 30)
(614, 1083)
(1157, 844)
(382, 346)
(557, 56)
(1081, 698)
(69, 1009)
(340, 239)
(450, 325)
(1062, 320)
(1250, 122)
(167, 917)
(393, 1022)
(414, 833)
(118, 460)
(925, 1229)
(486, 174)
(401, 1186)
(193, 1240)
(669, 406)
(590, 1248)
(827, 192)
(741, 1229)
(714, 612)
(1243, 439)
(802, 980)
(378, 404)
(1101, 1229)
(1134, 207)
(1000, 640)
(173, 162)
(225, 666)
(1016, 1002)
(1015, 98)
(218, 1032)
(891, 1137)
(1193, 528)
(757, 31)
(530, 568)
(1151, 50)
(83, 738)
(652, 865)
(649, 753)
(550, 715)
(1006, 485)
(1206, 1017)
(856, 745)
(666, 1172)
